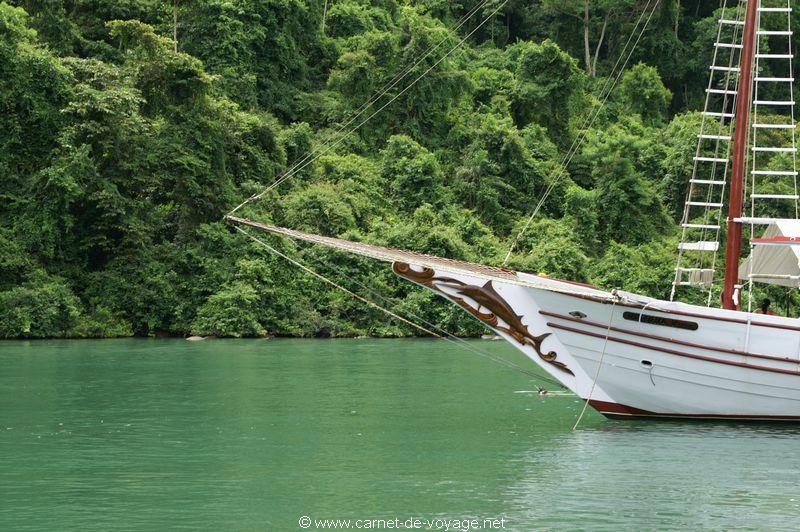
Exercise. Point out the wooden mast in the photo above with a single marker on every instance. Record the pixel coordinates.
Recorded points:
(733, 245)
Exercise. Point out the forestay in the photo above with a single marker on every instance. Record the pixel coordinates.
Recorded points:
(481, 271)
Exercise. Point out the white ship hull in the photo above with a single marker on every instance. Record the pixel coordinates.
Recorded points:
(627, 355)
(655, 358)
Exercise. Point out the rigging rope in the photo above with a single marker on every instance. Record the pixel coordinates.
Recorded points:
(445, 335)
(588, 122)
(315, 154)
(334, 284)
(441, 330)
(707, 217)
(599, 365)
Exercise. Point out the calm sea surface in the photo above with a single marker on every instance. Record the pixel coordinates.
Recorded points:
(254, 434)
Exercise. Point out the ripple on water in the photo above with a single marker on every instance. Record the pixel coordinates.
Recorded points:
(252, 434)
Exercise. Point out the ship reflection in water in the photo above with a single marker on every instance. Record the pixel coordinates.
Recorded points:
(681, 474)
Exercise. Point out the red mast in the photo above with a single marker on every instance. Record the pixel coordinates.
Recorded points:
(733, 245)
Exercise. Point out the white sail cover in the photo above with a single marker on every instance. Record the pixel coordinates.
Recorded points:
(489, 273)
(775, 258)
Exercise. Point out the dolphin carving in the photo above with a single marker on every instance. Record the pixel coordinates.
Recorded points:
(487, 298)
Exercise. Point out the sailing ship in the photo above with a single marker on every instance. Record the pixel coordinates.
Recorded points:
(632, 356)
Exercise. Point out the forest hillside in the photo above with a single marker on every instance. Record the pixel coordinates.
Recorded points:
(129, 128)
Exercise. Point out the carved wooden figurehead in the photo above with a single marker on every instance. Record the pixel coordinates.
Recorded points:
(490, 307)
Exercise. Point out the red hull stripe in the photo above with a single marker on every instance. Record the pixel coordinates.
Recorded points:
(681, 313)
(618, 410)
(675, 352)
(670, 340)
(793, 240)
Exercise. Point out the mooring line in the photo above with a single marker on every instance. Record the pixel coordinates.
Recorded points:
(599, 365)
(336, 285)
(447, 336)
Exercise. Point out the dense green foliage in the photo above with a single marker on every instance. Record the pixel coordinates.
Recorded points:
(122, 149)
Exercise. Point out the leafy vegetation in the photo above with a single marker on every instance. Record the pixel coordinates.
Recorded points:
(122, 148)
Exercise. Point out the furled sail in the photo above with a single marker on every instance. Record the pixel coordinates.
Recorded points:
(482, 271)
(775, 257)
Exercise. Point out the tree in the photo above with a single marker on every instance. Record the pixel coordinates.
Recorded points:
(43, 306)
(319, 208)
(34, 86)
(230, 312)
(432, 83)
(550, 248)
(596, 16)
(266, 53)
(412, 173)
(629, 205)
(130, 128)
(643, 269)
(547, 83)
(641, 90)
(679, 143)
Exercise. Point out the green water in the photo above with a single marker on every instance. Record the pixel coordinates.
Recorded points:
(253, 434)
